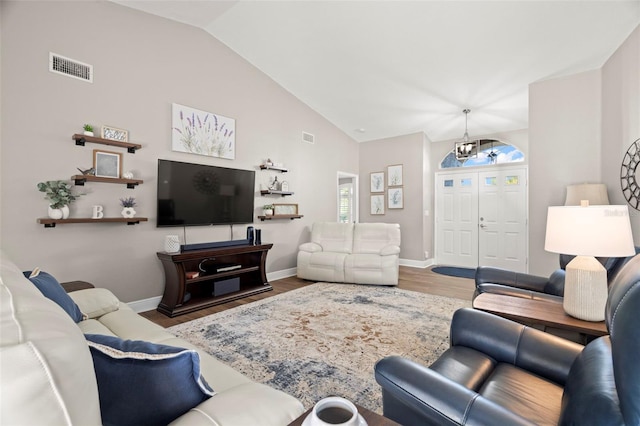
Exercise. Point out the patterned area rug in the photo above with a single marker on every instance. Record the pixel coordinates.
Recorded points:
(325, 339)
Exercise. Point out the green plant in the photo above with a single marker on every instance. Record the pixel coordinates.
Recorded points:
(58, 192)
(268, 207)
(88, 127)
(128, 202)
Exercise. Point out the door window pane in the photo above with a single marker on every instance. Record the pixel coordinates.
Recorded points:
(448, 183)
(512, 180)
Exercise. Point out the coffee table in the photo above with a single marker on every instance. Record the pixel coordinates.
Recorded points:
(372, 418)
(534, 311)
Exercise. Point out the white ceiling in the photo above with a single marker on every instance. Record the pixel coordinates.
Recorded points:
(379, 69)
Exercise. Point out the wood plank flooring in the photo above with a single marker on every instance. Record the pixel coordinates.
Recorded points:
(412, 279)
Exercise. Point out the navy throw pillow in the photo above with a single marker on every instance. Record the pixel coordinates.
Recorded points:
(51, 289)
(143, 383)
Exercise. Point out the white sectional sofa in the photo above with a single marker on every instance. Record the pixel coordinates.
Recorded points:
(360, 253)
(47, 367)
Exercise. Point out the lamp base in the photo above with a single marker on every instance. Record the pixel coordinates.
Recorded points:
(585, 289)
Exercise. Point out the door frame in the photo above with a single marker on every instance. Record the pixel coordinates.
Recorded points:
(356, 195)
(478, 171)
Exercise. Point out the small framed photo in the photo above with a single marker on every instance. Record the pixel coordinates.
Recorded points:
(395, 198)
(284, 186)
(394, 175)
(377, 204)
(107, 164)
(286, 209)
(114, 134)
(377, 182)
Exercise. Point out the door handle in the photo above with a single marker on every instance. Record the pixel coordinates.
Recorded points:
(482, 225)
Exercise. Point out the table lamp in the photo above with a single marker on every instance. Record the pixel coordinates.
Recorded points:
(588, 231)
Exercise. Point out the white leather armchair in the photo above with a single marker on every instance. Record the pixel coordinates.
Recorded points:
(361, 253)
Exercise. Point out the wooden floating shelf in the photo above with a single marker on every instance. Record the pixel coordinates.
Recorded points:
(51, 223)
(279, 169)
(82, 139)
(81, 179)
(280, 216)
(270, 192)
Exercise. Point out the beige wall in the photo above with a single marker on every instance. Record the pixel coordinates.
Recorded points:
(564, 132)
(586, 122)
(621, 118)
(407, 150)
(142, 65)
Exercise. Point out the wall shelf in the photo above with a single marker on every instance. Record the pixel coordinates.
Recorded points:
(51, 223)
(280, 216)
(278, 169)
(272, 192)
(81, 179)
(82, 139)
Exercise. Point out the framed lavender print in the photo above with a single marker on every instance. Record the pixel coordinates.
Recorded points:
(377, 204)
(203, 133)
(394, 175)
(377, 182)
(395, 198)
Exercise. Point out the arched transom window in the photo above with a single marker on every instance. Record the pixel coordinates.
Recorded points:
(481, 152)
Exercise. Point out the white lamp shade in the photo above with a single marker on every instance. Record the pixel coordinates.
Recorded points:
(589, 231)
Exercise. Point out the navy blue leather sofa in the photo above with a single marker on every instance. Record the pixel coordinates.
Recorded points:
(499, 372)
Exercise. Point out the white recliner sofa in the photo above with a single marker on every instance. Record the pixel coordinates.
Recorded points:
(47, 367)
(360, 253)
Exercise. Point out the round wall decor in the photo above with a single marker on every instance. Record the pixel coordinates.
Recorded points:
(629, 176)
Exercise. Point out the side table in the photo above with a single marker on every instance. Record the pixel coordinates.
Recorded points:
(534, 311)
(70, 286)
(372, 418)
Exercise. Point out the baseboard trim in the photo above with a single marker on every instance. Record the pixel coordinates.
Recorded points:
(417, 263)
(144, 305)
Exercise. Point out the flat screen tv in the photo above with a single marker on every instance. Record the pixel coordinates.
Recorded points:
(197, 194)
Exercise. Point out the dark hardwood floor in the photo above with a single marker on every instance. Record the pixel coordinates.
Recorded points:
(412, 279)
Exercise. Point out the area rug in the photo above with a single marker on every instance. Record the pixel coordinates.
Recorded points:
(454, 271)
(324, 339)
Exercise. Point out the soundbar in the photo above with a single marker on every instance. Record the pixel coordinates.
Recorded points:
(213, 244)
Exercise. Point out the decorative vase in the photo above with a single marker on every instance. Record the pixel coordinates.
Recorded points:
(334, 410)
(171, 244)
(65, 211)
(128, 212)
(88, 133)
(55, 213)
(268, 212)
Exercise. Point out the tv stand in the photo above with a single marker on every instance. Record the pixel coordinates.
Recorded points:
(183, 295)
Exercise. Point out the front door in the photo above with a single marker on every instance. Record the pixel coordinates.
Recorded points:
(457, 219)
(481, 218)
(502, 219)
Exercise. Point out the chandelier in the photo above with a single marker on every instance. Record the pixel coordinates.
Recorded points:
(465, 148)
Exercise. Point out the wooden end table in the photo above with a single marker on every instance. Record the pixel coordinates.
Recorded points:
(372, 418)
(535, 311)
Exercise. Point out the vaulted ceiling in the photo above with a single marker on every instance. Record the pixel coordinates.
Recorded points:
(379, 69)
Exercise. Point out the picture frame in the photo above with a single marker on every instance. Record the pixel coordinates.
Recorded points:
(107, 164)
(284, 186)
(285, 209)
(201, 132)
(377, 181)
(394, 175)
(395, 198)
(377, 204)
(114, 134)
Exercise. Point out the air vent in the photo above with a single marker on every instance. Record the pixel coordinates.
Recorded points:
(70, 67)
(308, 137)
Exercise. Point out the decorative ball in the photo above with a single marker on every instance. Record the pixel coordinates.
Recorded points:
(127, 175)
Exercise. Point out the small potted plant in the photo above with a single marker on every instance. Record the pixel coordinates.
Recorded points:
(88, 129)
(59, 194)
(128, 205)
(267, 209)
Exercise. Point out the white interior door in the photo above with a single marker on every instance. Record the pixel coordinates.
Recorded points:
(502, 219)
(457, 219)
(481, 218)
